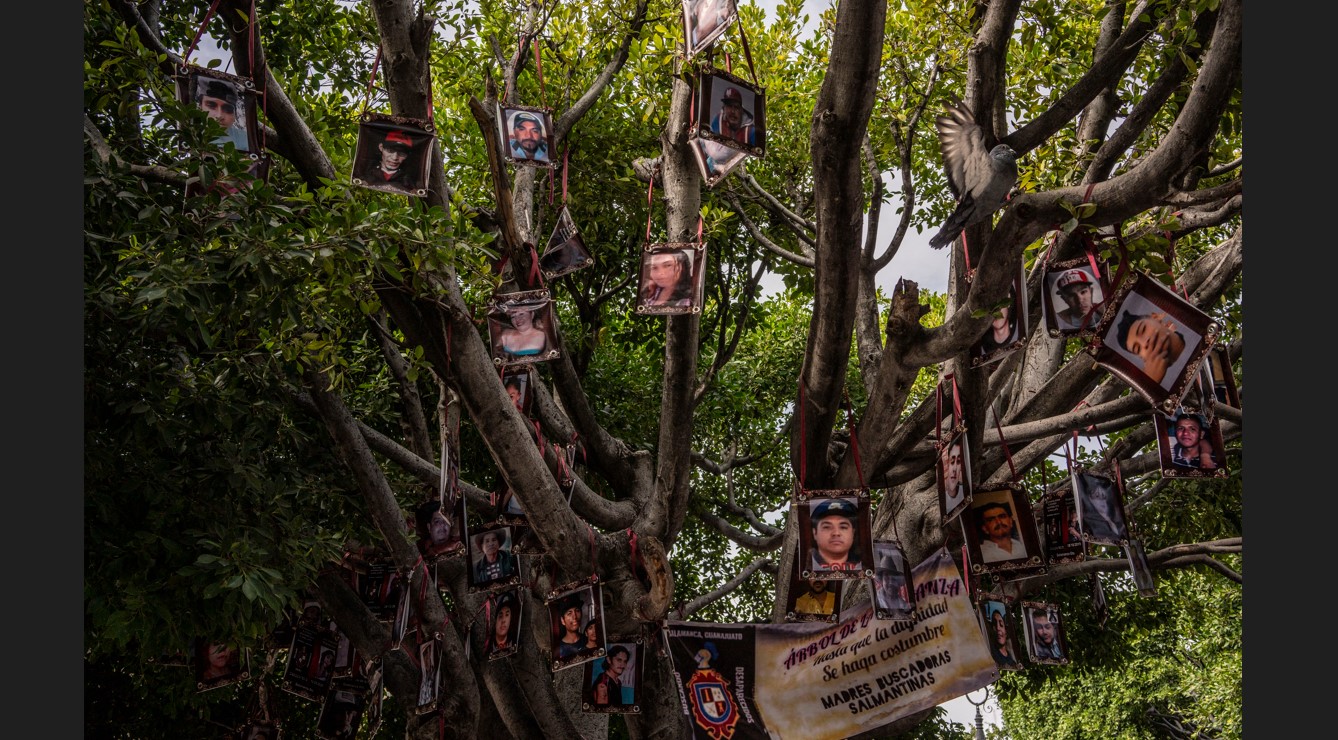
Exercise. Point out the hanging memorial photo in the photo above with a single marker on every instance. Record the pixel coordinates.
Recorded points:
(516, 381)
(812, 599)
(1100, 508)
(835, 533)
(1007, 331)
(994, 623)
(672, 278)
(428, 655)
(1074, 297)
(526, 135)
(954, 478)
(576, 624)
(346, 657)
(393, 154)
(1064, 542)
(730, 112)
(1153, 339)
(310, 662)
(715, 160)
(503, 615)
(1138, 567)
(1190, 445)
(1045, 633)
(522, 328)
(219, 664)
(1000, 532)
(228, 101)
(566, 250)
(1219, 376)
(612, 683)
(341, 713)
(892, 594)
(492, 563)
(375, 696)
(704, 21)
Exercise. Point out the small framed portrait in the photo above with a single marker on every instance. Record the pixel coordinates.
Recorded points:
(503, 614)
(954, 477)
(341, 712)
(1190, 444)
(998, 629)
(440, 528)
(704, 21)
(715, 160)
(219, 664)
(393, 154)
(836, 540)
(1064, 542)
(730, 112)
(1100, 507)
(428, 655)
(311, 660)
(522, 328)
(1045, 633)
(893, 590)
(1000, 532)
(346, 661)
(493, 565)
(812, 599)
(259, 729)
(229, 102)
(379, 587)
(376, 694)
(1153, 339)
(576, 623)
(1218, 375)
(516, 381)
(1007, 331)
(1138, 567)
(1074, 298)
(673, 277)
(526, 135)
(566, 250)
(612, 684)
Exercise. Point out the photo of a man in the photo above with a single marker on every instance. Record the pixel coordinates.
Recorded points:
(391, 157)
(731, 112)
(954, 478)
(226, 106)
(493, 561)
(1046, 644)
(1077, 298)
(1000, 539)
(704, 21)
(835, 536)
(526, 136)
(576, 627)
(819, 597)
(892, 593)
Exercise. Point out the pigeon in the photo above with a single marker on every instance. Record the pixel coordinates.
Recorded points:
(980, 179)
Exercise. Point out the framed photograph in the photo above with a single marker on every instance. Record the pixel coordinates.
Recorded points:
(341, 712)
(526, 135)
(715, 160)
(1074, 298)
(954, 478)
(893, 590)
(1045, 633)
(516, 381)
(400, 625)
(1218, 375)
(704, 21)
(566, 250)
(259, 729)
(1138, 567)
(503, 613)
(346, 661)
(1100, 507)
(228, 100)
(835, 529)
(522, 328)
(1007, 331)
(429, 667)
(1153, 339)
(612, 684)
(999, 633)
(492, 563)
(439, 528)
(219, 664)
(730, 112)
(812, 599)
(376, 694)
(576, 623)
(1190, 445)
(673, 278)
(311, 661)
(1000, 532)
(393, 154)
(1064, 542)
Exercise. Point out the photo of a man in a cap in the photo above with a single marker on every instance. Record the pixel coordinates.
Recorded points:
(221, 101)
(1082, 296)
(390, 167)
(835, 535)
(528, 139)
(567, 614)
(734, 120)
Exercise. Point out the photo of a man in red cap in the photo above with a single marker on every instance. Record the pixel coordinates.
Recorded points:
(734, 120)
(1082, 295)
(393, 163)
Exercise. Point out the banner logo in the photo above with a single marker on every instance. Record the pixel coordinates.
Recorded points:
(712, 706)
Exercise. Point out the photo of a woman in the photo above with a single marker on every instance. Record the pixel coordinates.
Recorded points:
(1002, 649)
(668, 279)
(520, 325)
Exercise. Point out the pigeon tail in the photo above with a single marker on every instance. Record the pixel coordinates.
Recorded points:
(959, 220)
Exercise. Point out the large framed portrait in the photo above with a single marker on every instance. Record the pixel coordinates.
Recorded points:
(1045, 633)
(1064, 542)
(1008, 329)
(341, 712)
(522, 328)
(954, 477)
(229, 102)
(1153, 339)
(1000, 532)
(673, 278)
(492, 563)
(526, 135)
(730, 111)
(566, 250)
(704, 21)
(219, 664)
(812, 599)
(999, 633)
(503, 615)
(893, 589)
(835, 533)
(1190, 444)
(715, 160)
(1100, 507)
(393, 154)
(612, 684)
(1074, 298)
(576, 623)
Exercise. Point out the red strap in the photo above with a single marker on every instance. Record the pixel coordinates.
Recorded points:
(539, 70)
(966, 253)
(743, 36)
(536, 277)
(650, 204)
(371, 81)
(938, 415)
(803, 458)
(854, 440)
(729, 63)
(200, 33)
(699, 228)
(1004, 443)
(631, 544)
(956, 400)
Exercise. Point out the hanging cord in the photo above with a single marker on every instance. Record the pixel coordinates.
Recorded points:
(594, 569)
(854, 439)
(1004, 443)
(536, 277)
(748, 55)
(938, 416)
(803, 457)
(650, 206)
(966, 255)
(700, 223)
(636, 556)
(956, 403)
(1170, 265)
(200, 33)
(539, 71)
(1054, 240)
(371, 81)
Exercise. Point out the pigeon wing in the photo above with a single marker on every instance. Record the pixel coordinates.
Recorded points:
(961, 141)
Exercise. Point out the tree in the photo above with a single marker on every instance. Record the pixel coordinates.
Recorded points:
(266, 366)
